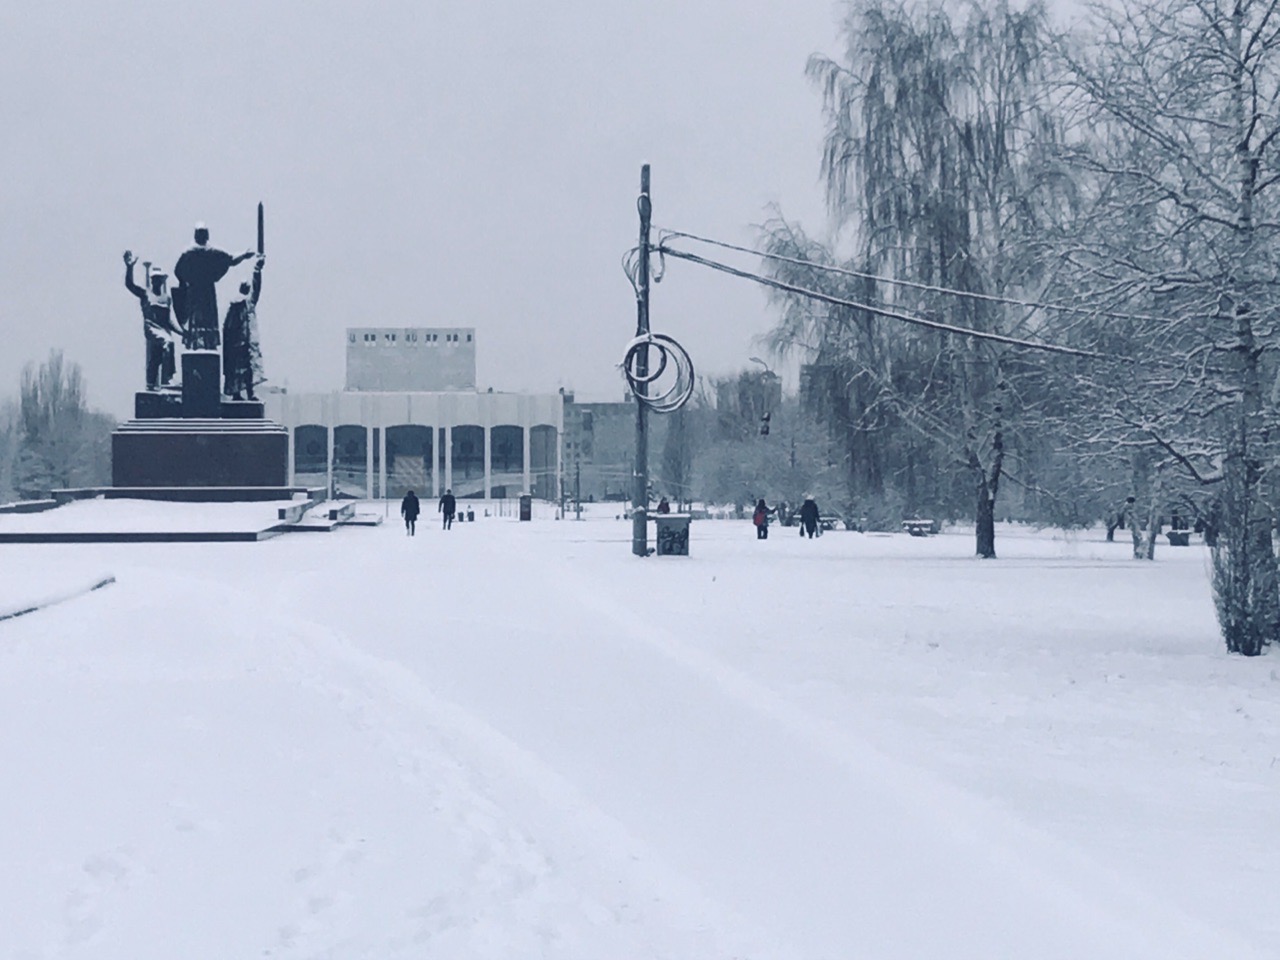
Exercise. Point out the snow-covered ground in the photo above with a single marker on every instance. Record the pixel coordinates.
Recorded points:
(146, 516)
(516, 740)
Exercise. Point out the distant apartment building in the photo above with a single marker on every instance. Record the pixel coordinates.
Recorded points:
(599, 449)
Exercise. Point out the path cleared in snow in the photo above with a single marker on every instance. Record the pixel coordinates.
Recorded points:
(517, 740)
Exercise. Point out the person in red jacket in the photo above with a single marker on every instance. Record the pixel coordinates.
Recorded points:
(761, 519)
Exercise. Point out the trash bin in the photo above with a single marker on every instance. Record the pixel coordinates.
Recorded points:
(672, 534)
(526, 507)
(471, 515)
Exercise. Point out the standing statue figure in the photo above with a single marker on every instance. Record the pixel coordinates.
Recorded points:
(198, 271)
(157, 322)
(241, 354)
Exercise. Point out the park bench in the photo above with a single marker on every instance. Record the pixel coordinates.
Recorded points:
(920, 528)
(293, 513)
(343, 513)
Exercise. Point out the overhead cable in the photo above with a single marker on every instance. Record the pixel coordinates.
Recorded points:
(911, 284)
(883, 311)
(669, 353)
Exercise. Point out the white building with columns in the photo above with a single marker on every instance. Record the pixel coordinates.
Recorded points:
(382, 442)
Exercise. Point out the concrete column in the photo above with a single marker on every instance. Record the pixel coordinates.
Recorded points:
(448, 457)
(368, 462)
(435, 461)
(488, 460)
(382, 462)
(293, 438)
(527, 487)
(560, 462)
(328, 465)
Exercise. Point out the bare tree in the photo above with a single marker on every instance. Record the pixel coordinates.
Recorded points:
(1184, 99)
(940, 159)
(61, 443)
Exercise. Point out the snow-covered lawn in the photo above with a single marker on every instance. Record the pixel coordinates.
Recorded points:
(517, 741)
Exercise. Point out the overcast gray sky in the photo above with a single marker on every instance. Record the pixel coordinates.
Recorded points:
(421, 163)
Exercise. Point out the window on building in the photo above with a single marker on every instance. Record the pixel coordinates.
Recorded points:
(351, 338)
(468, 338)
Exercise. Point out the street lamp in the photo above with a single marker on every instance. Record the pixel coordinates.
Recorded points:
(769, 374)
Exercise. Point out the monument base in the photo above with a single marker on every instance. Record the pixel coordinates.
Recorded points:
(201, 384)
(167, 405)
(155, 404)
(200, 453)
(242, 410)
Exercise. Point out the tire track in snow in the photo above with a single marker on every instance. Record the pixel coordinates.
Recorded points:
(1035, 870)
(46, 602)
(494, 779)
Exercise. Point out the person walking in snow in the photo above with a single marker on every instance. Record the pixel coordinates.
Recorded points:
(448, 507)
(664, 505)
(761, 519)
(409, 509)
(809, 517)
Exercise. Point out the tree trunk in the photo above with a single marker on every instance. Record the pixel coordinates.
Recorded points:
(986, 525)
(1153, 518)
(987, 488)
(1246, 580)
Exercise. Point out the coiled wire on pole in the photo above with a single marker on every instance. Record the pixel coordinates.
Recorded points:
(676, 392)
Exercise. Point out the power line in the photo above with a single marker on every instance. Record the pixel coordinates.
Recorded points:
(911, 284)
(882, 311)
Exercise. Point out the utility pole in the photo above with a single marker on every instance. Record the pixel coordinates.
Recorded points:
(640, 490)
(577, 486)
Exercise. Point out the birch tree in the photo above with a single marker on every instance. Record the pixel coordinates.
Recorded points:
(940, 163)
(1185, 98)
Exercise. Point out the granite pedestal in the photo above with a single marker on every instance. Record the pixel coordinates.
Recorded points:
(194, 452)
(167, 404)
(201, 384)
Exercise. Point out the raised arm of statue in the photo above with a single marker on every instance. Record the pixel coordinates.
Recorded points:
(243, 257)
(136, 290)
(257, 282)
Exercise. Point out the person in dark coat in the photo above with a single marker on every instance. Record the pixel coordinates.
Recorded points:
(409, 509)
(448, 507)
(761, 519)
(809, 517)
(664, 506)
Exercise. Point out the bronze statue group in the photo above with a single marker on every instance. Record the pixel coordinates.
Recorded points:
(190, 311)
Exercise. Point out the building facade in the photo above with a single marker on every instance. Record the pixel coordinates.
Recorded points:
(411, 419)
(411, 359)
(600, 449)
